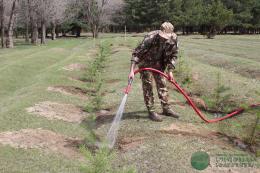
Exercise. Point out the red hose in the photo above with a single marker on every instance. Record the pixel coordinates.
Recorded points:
(239, 110)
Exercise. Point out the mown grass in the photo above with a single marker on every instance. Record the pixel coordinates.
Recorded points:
(173, 152)
(27, 71)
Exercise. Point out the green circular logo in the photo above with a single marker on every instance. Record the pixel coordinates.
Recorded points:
(200, 160)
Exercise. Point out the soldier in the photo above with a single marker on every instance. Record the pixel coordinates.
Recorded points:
(158, 50)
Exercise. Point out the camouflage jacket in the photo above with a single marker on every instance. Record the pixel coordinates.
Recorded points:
(152, 52)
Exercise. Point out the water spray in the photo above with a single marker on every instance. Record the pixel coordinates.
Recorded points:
(113, 131)
(112, 134)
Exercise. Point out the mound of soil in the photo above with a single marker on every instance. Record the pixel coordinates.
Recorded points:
(189, 130)
(70, 90)
(200, 103)
(57, 111)
(129, 143)
(75, 67)
(41, 139)
(103, 116)
(195, 76)
(224, 140)
(81, 79)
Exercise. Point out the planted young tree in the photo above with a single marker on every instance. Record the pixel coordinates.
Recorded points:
(217, 100)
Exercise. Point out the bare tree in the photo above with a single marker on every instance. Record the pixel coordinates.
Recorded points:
(23, 18)
(43, 4)
(27, 21)
(95, 11)
(2, 11)
(51, 14)
(10, 29)
(33, 13)
(99, 13)
(41, 14)
(57, 14)
(114, 15)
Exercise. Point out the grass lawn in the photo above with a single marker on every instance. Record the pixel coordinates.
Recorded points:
(27, 71)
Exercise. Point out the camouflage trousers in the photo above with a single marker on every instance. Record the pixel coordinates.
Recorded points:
(162, 91)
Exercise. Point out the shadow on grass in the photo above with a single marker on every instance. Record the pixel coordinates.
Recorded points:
(108, 118)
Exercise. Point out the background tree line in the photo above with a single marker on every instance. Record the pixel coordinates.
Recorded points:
(189, 16)
(37, 19)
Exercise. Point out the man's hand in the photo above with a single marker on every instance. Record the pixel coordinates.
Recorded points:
(170, 74)
(131, 75)
(132, 68)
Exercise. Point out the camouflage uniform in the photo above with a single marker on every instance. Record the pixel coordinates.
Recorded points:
(156, 53)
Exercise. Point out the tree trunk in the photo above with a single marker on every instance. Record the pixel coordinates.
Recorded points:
(9, 36)
(27, 24)
(43, 22)
(43, 33)
(53, 31)
(16, 32)
(95, 31)
(57, 33)
(35, 33)
(27, 32)
(64, 33)
(212, 32)
(34, 24)
(2, 23)
(2, 36)
(78, 31)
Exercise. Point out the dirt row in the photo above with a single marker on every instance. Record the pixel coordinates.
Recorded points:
(46, 140)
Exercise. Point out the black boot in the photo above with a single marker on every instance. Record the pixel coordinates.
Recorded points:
(170, 113)
(155, 117)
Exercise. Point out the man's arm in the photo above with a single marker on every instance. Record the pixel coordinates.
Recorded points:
(139, 52)
(172, 56)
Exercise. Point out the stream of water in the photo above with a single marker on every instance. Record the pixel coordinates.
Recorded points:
(113, 131)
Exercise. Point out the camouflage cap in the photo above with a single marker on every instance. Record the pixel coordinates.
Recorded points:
(166, 30)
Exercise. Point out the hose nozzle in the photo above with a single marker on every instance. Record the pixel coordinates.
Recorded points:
(128, 88)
